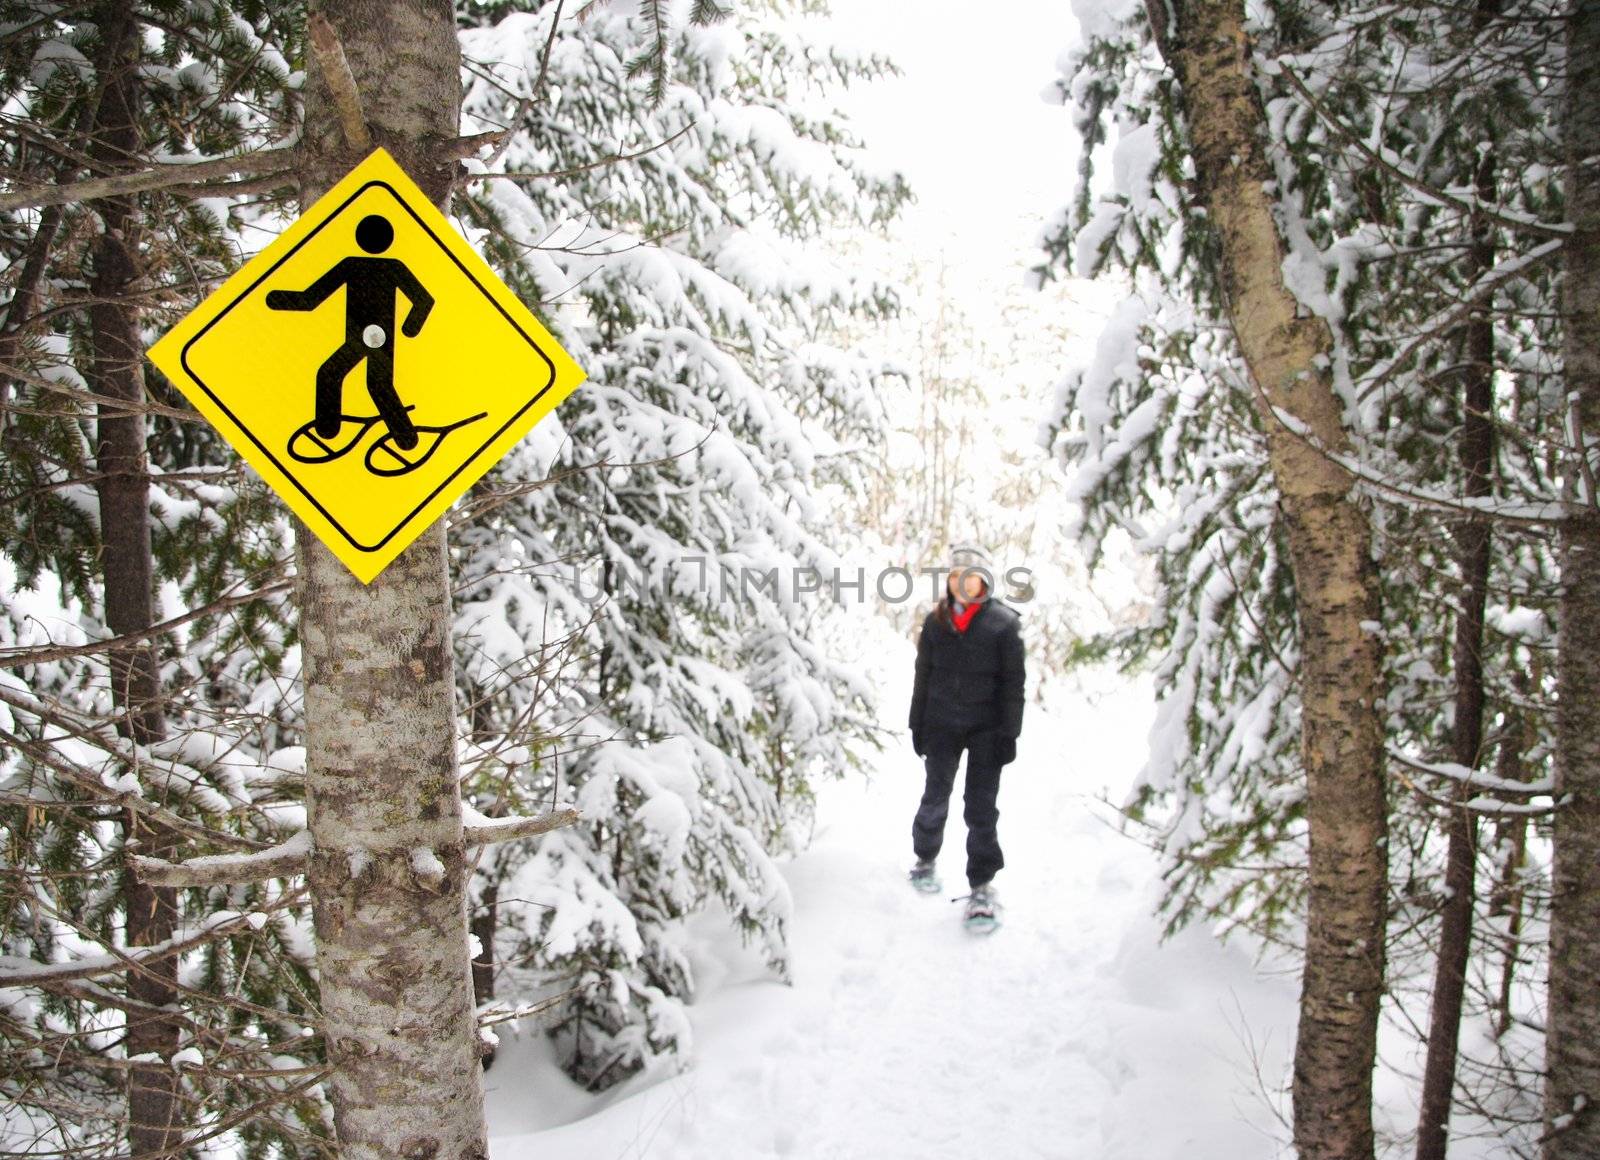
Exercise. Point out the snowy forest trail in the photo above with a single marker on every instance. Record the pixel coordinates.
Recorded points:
(1071, 1032)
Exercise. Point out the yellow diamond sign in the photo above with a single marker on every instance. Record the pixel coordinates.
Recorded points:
(368, 364)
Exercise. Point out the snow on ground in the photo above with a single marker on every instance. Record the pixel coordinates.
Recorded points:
(1071, 1032)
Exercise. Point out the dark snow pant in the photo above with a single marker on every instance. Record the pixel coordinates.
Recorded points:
(983, 783)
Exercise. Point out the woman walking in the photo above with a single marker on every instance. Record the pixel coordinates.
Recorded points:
(967, 698)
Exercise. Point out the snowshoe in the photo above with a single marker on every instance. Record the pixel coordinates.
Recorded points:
(983, 912)
(924, 878)
(307, 446)
(387, 458)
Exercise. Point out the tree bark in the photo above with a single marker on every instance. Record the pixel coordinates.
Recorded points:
(117, 361)
(388, 869)
(1474, 553)
(1572, 1046)
(1286, 349)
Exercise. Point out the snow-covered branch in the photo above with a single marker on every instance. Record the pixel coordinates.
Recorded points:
(289, 858)
(16, 971)
(280, 861)
(1392, 165)
(1473, 778)
(1531, 514)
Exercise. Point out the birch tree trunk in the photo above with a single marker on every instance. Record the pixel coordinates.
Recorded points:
(388, 872)
(1572, 1046)
(123, 491)
(1286, 349)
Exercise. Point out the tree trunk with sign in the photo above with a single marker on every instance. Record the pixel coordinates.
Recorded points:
(389, 866)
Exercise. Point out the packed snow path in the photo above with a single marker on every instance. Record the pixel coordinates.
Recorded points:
(1071, 1032)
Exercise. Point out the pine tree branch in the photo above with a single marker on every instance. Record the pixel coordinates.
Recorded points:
(108, 405)
(278, 161)
(289, 858)
(1471, 299)
(1546, 514)
(49, 752)
(491, 1016)
(1467, 205)
(501, 138)
(1469, 778)
(18, 972)
(17, 657)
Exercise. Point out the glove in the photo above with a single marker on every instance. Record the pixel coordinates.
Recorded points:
(917, 746)
(1005, 748)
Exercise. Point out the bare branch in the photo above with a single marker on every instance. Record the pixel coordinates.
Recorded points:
(341, 82)
(491, 1016)
(600, 164)
(16, 657)
(484, 831)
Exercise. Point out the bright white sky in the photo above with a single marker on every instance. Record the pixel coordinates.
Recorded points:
(966, 121)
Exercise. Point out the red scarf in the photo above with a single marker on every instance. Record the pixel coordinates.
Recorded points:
(960, 618)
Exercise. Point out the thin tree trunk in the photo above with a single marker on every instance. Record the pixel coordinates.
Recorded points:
(1474, 545)
(124, 498)
(24, 302)
(389, 872)
(484, 922)
(25, 293)
(1511, 835)
(1572, 1045)
(1336, 585)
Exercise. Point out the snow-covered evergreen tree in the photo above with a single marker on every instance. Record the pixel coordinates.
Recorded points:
(211, 79)
(639, 586)
(669, 537)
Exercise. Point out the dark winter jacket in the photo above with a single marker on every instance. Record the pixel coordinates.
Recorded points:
(969, 680)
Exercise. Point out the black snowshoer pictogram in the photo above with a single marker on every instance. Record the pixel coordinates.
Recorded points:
(370, 284)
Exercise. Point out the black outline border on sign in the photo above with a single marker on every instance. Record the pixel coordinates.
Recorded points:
(183, 358)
